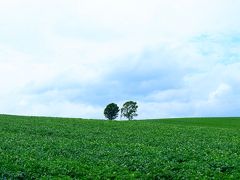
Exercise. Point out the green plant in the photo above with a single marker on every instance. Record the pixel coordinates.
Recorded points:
(111, 111)
(129, 110)
(63, 148)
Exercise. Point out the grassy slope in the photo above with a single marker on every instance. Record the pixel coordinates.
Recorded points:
(34, 147)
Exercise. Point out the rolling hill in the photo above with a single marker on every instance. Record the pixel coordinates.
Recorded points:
(44, 147)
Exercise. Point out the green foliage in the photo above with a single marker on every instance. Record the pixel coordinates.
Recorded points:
(59, 148)
(129, 110)
(111, 111)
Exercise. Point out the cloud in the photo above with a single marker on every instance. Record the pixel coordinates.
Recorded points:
(71, 58)
(222, 90)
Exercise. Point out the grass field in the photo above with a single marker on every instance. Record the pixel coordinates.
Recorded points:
(38, 147)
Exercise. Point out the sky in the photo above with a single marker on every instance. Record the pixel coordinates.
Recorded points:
(71, 58)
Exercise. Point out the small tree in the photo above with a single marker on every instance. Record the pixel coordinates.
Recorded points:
(129, 110)
(111, 111)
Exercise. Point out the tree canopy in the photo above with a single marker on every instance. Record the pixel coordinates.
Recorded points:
(129, 110)
(111, 111)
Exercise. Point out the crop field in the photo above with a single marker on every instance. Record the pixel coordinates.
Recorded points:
(53, 148)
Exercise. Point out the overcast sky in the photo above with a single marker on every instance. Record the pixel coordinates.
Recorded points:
(73, 57)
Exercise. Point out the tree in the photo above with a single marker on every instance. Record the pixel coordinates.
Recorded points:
(111, 111)
(129, 110)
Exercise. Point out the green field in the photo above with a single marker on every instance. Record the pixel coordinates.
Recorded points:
(38, 147)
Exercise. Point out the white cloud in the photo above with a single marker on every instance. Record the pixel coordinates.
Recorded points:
(222, 90)
(72, 57)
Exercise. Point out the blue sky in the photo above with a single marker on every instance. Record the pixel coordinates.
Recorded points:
(72, 58)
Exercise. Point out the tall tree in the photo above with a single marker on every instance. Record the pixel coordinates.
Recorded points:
(129, 110)
(111, 111)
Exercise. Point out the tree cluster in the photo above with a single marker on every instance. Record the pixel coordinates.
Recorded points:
(128, 110)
